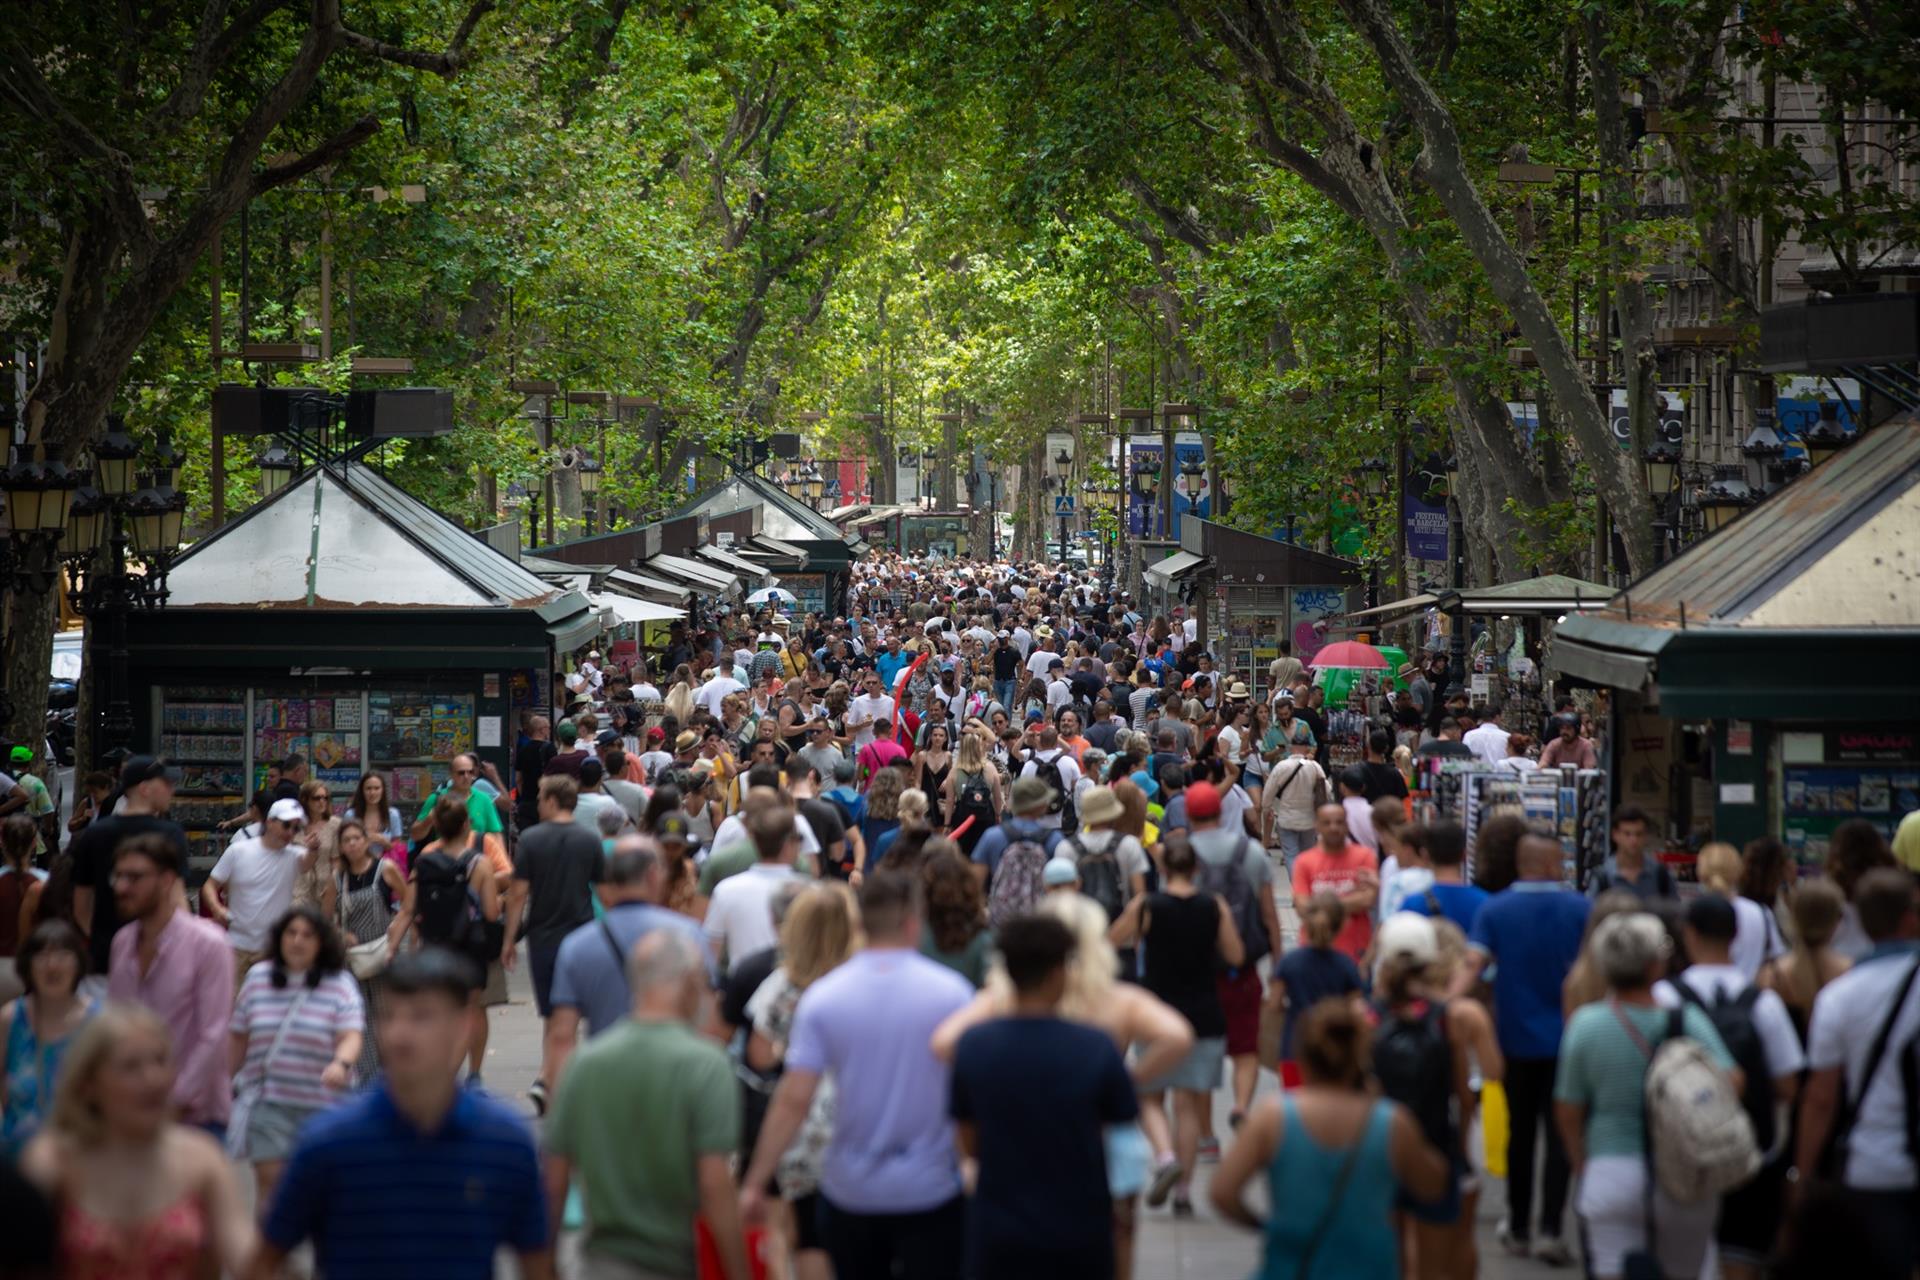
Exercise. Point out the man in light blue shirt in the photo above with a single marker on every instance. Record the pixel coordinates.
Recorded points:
(890, 1183)
(590, 971)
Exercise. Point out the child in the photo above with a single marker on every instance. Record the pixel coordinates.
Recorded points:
(1404, 869)
(1309, 974)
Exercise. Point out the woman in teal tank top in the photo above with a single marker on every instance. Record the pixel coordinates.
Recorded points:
(1334, 1157)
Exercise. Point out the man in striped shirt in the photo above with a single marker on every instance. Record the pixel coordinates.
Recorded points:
(416, 1175)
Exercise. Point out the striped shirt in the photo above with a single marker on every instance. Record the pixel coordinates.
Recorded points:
(293, 1077)
(379, 1198)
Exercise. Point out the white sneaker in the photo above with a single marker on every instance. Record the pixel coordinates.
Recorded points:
(1511, 1243)
(1553, 1251)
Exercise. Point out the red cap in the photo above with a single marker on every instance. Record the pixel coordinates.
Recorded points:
(656, 734)
(1203, 800)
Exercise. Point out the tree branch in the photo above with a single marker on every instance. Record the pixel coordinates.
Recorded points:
(444, 63)
(330, 150)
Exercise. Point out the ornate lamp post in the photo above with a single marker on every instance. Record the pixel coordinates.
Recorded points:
(133, 520)
(1063, 469)
(1725, 497)
(590, 470)
(1826, 437)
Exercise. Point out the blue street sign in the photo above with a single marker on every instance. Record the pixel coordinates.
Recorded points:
(1063, 505)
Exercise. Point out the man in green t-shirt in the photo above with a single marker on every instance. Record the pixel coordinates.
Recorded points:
(481, 810)
(642, 1197)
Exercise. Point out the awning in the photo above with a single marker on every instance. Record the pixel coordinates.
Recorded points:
(669, 593)
(726, 559)
(761, 544)
(571, 632)
(623, 609)
(706, 577)
(1177, 565)
(1386, 613)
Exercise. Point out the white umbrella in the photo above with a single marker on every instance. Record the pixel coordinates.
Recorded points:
(773, 595)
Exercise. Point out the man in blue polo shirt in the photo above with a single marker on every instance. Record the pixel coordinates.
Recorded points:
(416, 1177)
(1531, 933)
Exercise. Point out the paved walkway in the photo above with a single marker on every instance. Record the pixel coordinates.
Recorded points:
(1202, 1247)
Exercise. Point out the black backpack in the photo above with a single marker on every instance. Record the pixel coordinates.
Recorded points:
(1733, 1019)
(1100, 876)
(1414, 1065)
(1050, 772)
(449, 910)
(974, 799)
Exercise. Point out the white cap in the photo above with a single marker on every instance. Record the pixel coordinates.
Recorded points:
(287, 809)
(1407, 936)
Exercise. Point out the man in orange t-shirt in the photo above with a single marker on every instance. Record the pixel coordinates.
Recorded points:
(1347, 870)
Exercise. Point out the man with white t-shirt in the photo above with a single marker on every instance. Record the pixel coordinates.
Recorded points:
(1487, 740)
(1872, 1004)
(739, 919)
(1750, 1214)
(1051, 758)
(251, 886)
(713, 694)
(873, 705)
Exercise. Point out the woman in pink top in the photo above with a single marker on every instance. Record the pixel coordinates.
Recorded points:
(141, 1197)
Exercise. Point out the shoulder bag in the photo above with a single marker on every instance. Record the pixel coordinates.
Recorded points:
(246, 1095)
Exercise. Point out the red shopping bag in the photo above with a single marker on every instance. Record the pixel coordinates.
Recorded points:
(707, 1253)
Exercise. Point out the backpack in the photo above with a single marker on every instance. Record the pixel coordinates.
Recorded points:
(1414, 1064)
(1700, 1142)
(1230, 880)
(1100, 877)
(974, 799)
(1018, 881)
(1050, 772)
(449, 910)
(1733, 1019)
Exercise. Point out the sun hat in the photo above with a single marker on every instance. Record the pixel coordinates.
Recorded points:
(1030, 794)
(1100, 805)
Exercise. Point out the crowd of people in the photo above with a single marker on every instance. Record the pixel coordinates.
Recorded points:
(920, 943)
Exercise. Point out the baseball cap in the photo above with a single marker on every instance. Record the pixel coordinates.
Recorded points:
(1406, 936)
(606, 737)
(1203, 800)
(656, 734)
(1059, 871)
(672, 826)
(20, 756)
(139, 769)
(287, 809)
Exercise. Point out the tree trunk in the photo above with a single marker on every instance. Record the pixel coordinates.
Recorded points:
(1632, 308)
(1275, 54)
(1615, 471)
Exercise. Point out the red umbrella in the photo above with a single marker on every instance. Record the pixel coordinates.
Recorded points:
(1350, 653)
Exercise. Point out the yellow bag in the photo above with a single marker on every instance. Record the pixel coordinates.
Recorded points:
(1494, 1125)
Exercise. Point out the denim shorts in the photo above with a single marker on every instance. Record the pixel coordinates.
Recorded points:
(1128, 1156)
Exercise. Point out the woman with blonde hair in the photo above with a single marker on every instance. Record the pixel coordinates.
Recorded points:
(820, 933)
(1585, 983)
(973, 790)
(1756, 938)
(679, 700)
(140, 1196)
(1800, 974)
(314, 882)
(1139, 1157)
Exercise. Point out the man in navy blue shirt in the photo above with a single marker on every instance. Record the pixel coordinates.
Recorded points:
(417, 1178)
(1032, 1095)
(1531, 932)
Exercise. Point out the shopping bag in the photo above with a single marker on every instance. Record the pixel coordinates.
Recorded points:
(707, 1253)
(1494, 1124)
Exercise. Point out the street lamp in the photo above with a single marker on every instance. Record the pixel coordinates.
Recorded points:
(139, 513)
(1764, 451)
(1826, 437)
(1373, 477)
(277, 466)
(1660, 461)
(1725, 497)
(1192, 478)
(589, 471)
